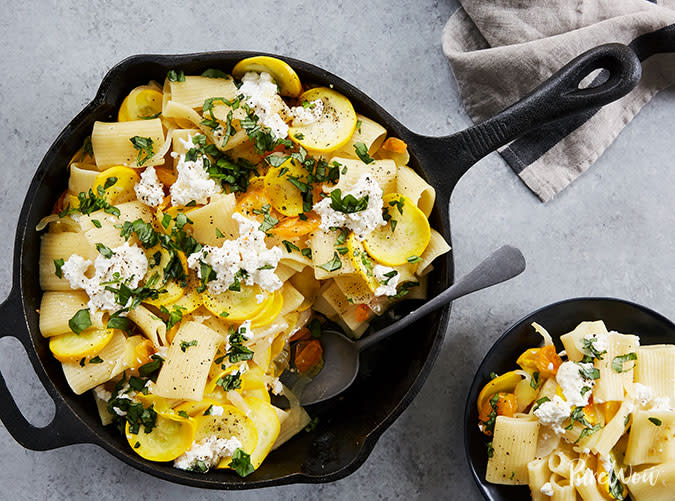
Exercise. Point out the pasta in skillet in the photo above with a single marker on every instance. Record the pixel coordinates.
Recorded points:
(599, 425)
(205, 238)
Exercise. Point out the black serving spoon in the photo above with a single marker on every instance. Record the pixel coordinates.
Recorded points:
(341, 354)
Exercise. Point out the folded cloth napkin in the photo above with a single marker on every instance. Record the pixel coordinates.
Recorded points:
(500, 50)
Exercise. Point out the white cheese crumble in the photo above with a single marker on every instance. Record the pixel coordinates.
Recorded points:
(554, 413)
(276, 386)
(261, 94)
(102, 393)
(209, 450)
(599, 341)
(361, 223)
(571, 382)
(150, 190)
(643, 394)
(216, 410)
(128, 265)
(193, 182)
(246, 258)
(388, 288)
(547, 489)
(307, 115)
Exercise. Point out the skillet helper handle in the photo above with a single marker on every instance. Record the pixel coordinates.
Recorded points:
(502, 265)
(56, 434)
(556, 98)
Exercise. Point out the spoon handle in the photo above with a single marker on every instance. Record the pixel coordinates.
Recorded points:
(503, 264)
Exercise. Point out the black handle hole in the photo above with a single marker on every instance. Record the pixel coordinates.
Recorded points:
(30, 396)
(594, 79)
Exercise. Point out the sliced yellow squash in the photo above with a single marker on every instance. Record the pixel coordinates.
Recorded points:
(121, 181)
(267, 423)
(334, 128)
(142, 103)
(273, 305)
(171, 437)
(285, 76)
(239, 306)
(195, 409)
(161, 405)
(259, 393)
(191, 299)
(158, 259)
(284, 196)
(72, 347)
(409, 238)
(362, 262)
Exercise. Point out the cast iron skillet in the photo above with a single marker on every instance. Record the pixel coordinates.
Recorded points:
(391, 374)
(557, 318)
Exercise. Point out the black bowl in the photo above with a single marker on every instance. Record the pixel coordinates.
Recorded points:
(558, 318)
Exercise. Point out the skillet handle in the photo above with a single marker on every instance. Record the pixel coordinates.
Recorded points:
(63, 430)
(556, 98)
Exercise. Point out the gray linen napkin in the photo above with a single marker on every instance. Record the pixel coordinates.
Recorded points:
(499, 50)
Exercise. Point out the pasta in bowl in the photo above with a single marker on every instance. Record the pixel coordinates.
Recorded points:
(205, 237)
(584, 414)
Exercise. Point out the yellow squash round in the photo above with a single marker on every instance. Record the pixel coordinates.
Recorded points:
(335, 127)
(285, 76)
(409, 238)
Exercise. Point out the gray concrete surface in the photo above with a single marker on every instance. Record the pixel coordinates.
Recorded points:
(611, 233)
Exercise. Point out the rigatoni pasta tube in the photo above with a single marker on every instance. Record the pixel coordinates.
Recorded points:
(187, 364)
(56, 246)
(574, 341)
(194, 90)
(611, 385)
(538, 474)
(213, 223)
(151, 325)
(655, 367)
(85, 377)
(384, 172)
(651, 438)
(368, 132)
(605, 439)
(112, 143)
(656, 483)
(437, 246)
(80, 180)
(514, 444)
(57, 308)
(411, 185)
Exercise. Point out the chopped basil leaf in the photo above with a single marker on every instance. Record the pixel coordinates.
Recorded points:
(104, 251)
(349, 204)
(290, 246)
(80, 321)
(96, 360)
(362, 152)
(145, 148)
(176, 76)
(655, 421)
(58, 263)
(414, 259)
(183, 414)
(617, 363)
(241, 463)
(214, 73)
(184, 345)
(333, 264)
(229, 381)
(96, 223)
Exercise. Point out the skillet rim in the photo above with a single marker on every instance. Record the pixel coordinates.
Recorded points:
(87, 434)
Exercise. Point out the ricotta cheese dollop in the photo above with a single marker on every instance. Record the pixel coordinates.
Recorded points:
(554, 413)
(150, 190)
(571, 382)
(128, 264)
(209, 450)
(388, 284)
(246, 258)
(362, 222)
(307, 114)
(261, 94)
(193, 182)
